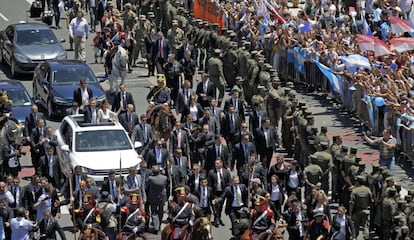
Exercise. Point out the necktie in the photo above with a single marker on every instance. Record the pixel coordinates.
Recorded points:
(35, 118)
(113, 192)
(158, 152)
(50, 166)
(232, 125)
(238, 196)
(77, 182)
(124, 103)
(218, 151)
(179, 162)
(246, 153)
(205, 196)
(130, 122)
(144, 130)
(160, 49)
(41, 132)
(205, 87)
(179, 139)
(93, 120)
(259, 116)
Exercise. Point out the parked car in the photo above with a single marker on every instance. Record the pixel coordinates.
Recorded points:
(54, 82)
(17, 93)
(97, 148)
(24, 45)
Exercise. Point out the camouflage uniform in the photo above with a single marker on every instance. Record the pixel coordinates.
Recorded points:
(361, 198)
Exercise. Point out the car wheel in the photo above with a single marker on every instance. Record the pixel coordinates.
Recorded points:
(13, 68)
(49, 109)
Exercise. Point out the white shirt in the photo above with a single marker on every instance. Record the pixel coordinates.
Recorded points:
(78, 27)
(196, 181)
(275, 194)
(293, 180)
(219, 172)
(85, 96)
(203, 197)
(237, 199)
(341, 221)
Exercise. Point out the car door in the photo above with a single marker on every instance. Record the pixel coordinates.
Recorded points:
(40, 83)
(8, 43)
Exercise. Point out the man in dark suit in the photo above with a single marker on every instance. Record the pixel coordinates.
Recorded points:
(205, 195)
(122, 99)
(175, 176)
(129, 119)
(48, 227)
(158, 156)
(111, 184)
(216, 111)
(210, 120)
(266, 141)
(36, 147)
(179, 139)
(236, 197)
(90, 113)
(29, 195)
(74, 110)
(181, 162)
(256, 117)
(244, 129)
(218, 178)
(195, 178)
(183, 97)
(230, 125)
(185, 46)
(31, 121)
(142, 132)
(217, 151)
(145, 173)
(160, 52)
(18, 194)
(157, 196)
(93, 189)
(133, 184)
(236, 102)
(76, 179)
(205, 90)
(83, 94)
(50, 168)
(241, 154)
(49, 140)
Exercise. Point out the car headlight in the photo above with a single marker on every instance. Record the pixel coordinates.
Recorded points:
(59, 100)
(61, 55)
(21, 58)
(86, 170)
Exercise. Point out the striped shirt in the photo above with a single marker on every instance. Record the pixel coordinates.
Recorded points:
(386, 153)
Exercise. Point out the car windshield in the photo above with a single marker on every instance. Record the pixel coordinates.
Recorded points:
(72, 76)
(19, 98)
(36, 37)
(102, 140)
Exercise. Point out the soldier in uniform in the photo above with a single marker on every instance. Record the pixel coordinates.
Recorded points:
(336, 146)
(133, 218)
(140, 31)
(159, 94)
(181, 213)
(326, 163)
(87, 215)
(242, 57)
(174, 73)
(251, 77)
(229, 63)
(262, 218)
(175, 35)
(361, 198)
(129, 16)
(322, 137)
(288, 123)
(372, 185)
(388, 209)
(312, 175)
(215, 69)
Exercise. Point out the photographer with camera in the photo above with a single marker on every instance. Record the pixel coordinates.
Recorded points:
(386, 146)
(11, 157)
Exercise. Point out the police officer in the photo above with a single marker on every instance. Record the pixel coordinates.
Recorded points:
(361, 198)
(181, 212)
(133, 218)
(215, 69)
(388, 209)
(312, 175)
(325, 162)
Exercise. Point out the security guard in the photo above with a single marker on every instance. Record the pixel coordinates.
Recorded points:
(325, 162)
(312, 175)
(262, 218)
(175, 35)
(181, 213)
(140, 31)
(129, 16)
(388, 210)
(215, 69)
(133, 218)
(361, 198)
(229, 63)
(322, 137)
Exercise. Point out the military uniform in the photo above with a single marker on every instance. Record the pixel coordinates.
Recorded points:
(263, 218)
(361, 198)
(140, 31)
(175, 35)
(229, 62)
(129, 17)
(133, 218)
(388, 209)
(312, 175)
(326, 163)
(215, 69)
(181, 214)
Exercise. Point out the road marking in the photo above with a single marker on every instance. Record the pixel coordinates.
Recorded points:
(4, 17)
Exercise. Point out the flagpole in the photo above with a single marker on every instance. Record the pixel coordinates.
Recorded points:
(120, 189)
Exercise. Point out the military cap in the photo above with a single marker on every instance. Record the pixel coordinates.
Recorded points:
(286, 89)
(325, 144)
(235, 89)
(134, 198)
(143, 17)
(375, 165)
(268, 66)
(383, 168)
(136, 18)
(313, 157)
(233, 44)
(246, 43)
(239, 78)
(181, 191)
(272, 70)
(151, 14)
(385, 172)
(205, 23)
(224, 29)
(292, 95)
(389, 179)
(358, 159)
(307, 112)
(361, 178)
(216, 25)
(174, 22)
(301, 104)
(88, 199)
(217, 51)
(254, 52)
(180, 9)
(353, 150)
(260, 200)
(128, 5)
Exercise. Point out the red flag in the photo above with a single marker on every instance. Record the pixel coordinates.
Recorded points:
(399, 25)
(402, 44)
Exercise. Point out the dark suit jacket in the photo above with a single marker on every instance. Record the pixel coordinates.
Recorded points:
(34, 140)
(254, 119)
(184, 141)
(44, 168)
(211, 93)
(29, 197)
(212, 123)
(48, 231)
(166, 49)
(77, 95)
(117, 99)
(21, 197)
(138, 134)
(240, 106)
(181, 51)
(152, 157)
(105, 185)
(186, 111)
(30, 123)
(157, 189)
(87, 114)
(210, 195)
(239, 154)
(191, 181)
(291, 221)
(184, 165)
(349, 227)
(228, 195)
(124, 121)
(178, 178)
(225, 156)
(260, 139)
(213, 179)
(226, 127)
(181, 102)
(82, 177)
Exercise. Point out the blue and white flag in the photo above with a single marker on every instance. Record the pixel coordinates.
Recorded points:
(366, 28)
(369, 100)
(334, 80)
(355, 61)
(299, 60)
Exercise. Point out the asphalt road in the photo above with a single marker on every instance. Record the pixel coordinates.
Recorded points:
(325, 113)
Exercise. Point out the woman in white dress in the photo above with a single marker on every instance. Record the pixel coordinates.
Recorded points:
(106, 115)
